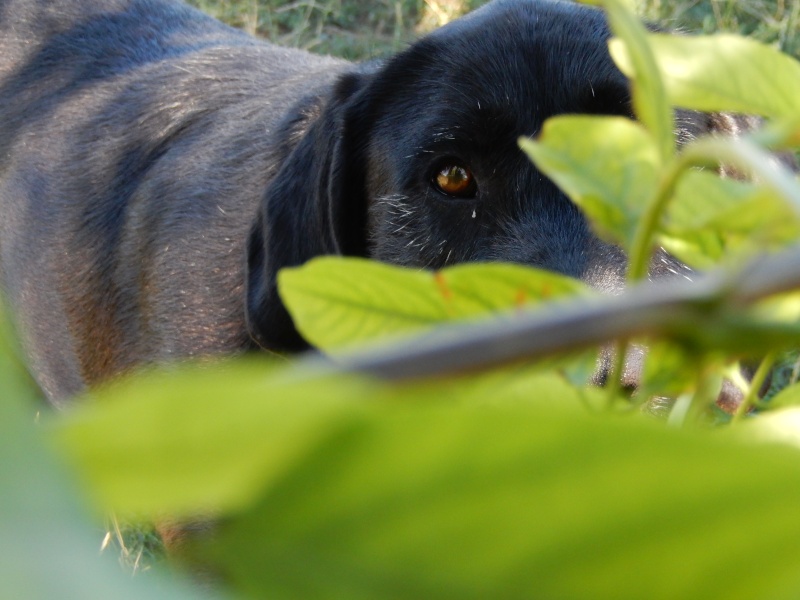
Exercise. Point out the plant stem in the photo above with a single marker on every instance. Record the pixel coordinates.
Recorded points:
(677, 416)
(644, 238)
(708, 152)
(672, 309)
(705, 152)
(709, 385)
(758, 380)
(688, 407)
(613, 383)
(640, 257)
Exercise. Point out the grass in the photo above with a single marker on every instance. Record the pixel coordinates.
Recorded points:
(354, 30)
(363, 29)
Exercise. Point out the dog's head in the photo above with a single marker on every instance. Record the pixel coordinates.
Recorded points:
(416, 161)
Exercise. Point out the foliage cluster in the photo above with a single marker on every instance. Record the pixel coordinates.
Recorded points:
(427, 454)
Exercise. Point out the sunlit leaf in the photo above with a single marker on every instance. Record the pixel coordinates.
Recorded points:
(205, 439)
(779, 308)
(781, 425)
(337, 301)
(433, 502)
(408, 492)
(582, 155)
(711, 219)
(723, 73)
(209, 438)
(559, 382)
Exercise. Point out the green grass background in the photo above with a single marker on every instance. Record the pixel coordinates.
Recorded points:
(358, 29)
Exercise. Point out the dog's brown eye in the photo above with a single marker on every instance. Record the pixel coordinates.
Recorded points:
(455, 180)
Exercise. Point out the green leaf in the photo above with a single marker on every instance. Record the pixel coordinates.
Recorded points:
(701, 197)
(337, 302)
(336, 487)
(779, 308)
(711, 219)
(562, 382)
(160, 443)
(723, 73)
(204, 438)
(582, 156)
(777, 426)
(520, 502)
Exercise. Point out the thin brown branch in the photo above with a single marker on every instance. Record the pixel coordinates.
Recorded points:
(655, 308)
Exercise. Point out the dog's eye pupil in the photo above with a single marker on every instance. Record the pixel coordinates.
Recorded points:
(455, 180)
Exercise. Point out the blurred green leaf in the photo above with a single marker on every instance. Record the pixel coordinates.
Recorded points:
(581, 154)
(443, 502)
(723, 73)
(669, 371)
(183, 443)
(779, 308)
(558, 382)
(778, 426)
(48, 547)
(337, 301)
(424, 491)
(781, 134)
(208, 439)
(701, 249)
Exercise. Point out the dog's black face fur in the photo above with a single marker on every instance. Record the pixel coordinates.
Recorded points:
(461, 97)
(157, 169)
(467, 107)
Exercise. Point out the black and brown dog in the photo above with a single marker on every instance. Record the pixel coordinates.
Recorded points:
(157, 168)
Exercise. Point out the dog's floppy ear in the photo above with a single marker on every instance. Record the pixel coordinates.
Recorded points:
(315, 205)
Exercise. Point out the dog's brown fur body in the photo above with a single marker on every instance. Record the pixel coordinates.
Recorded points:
(89, 280)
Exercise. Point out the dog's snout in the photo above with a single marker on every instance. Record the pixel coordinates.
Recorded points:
(631, 374)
